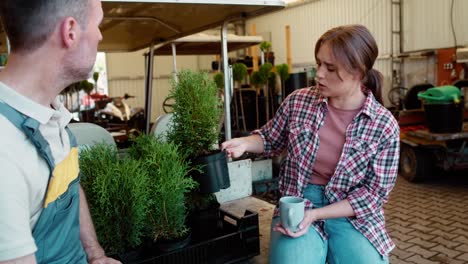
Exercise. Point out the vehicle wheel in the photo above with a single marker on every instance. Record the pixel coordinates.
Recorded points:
(168, 104)
(416, 164)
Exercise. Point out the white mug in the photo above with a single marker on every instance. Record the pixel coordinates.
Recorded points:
(291, 212)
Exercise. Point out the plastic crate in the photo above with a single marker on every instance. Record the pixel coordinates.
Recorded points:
(237, 240)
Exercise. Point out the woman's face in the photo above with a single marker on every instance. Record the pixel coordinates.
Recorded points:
(328, 82)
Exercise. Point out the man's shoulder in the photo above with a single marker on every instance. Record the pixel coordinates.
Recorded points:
(9, 132)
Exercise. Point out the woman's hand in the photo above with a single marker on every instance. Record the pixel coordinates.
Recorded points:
(235, 147)
(310, 216)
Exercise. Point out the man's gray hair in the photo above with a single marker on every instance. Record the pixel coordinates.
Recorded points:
(29, 23)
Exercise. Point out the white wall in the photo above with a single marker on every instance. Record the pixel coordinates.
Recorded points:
(426, 25)
(309, 21)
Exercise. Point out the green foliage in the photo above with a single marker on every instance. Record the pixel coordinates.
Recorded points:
(261, 77)
(283, 71)
(219, 80)
(255, 79)
(239, 71)
(265, 46)
(86, 86)
(118, 196)
(95, 77)
(197, 110)
(168, 185)
(3, 59)
(138, 196)
(201, 201)
(264, 70)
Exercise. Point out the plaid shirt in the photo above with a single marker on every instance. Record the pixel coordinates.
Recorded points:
(365, 173)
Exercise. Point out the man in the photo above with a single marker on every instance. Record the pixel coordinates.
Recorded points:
(44, 215)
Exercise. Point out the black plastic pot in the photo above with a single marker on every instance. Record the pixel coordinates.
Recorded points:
(215, 65)
(214, 173)
(238, 240)
(444, 118)
(295, 81)
(170, 245)
(205, 224)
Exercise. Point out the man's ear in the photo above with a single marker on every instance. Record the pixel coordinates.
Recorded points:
(69, 31)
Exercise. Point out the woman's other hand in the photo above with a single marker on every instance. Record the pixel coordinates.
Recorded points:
(309, 217)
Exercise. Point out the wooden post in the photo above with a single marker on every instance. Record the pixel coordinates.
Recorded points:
(254, 49)
(288, 47)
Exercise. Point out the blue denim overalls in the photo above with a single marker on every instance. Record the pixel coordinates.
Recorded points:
(57, 231)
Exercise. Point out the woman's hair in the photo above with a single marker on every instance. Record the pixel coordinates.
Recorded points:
(355, 48)
(28, 23)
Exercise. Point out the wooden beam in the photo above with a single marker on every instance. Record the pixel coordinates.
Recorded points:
(254, 49)
(288, 47)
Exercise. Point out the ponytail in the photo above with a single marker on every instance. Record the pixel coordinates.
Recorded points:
(373, 82)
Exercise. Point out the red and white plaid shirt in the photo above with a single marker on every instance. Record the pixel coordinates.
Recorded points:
(366, 171)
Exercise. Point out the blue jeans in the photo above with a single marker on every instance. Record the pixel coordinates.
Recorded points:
(344, 245)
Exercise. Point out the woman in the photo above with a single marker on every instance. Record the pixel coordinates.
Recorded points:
(342, 156)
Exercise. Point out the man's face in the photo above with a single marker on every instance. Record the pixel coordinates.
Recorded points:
(82, 59)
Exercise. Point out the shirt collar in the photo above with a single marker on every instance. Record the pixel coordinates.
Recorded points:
(320, 99)
(33, 109)
(370, 104)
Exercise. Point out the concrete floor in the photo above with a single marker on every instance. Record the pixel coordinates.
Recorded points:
(427, 221)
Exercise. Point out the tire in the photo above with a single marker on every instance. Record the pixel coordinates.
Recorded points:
(416, 164)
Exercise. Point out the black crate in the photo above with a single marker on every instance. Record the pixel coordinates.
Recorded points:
(237, 240)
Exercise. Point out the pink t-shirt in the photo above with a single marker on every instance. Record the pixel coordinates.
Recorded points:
(332, 138)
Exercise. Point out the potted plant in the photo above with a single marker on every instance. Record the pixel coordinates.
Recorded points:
(219, 80)
(168, 184)
(283, 72)
(196, 118)
(118, 196)
(239, 71)
(261, 78)
(265, 47)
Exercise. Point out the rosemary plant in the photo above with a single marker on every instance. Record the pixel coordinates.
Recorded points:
(118, 196)
(168, 185)
(197, 111)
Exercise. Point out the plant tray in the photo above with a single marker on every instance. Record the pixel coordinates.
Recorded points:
(238, 239)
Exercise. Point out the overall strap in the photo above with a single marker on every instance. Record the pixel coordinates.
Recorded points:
(30, 127)
(73, 142)
(15, 117)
